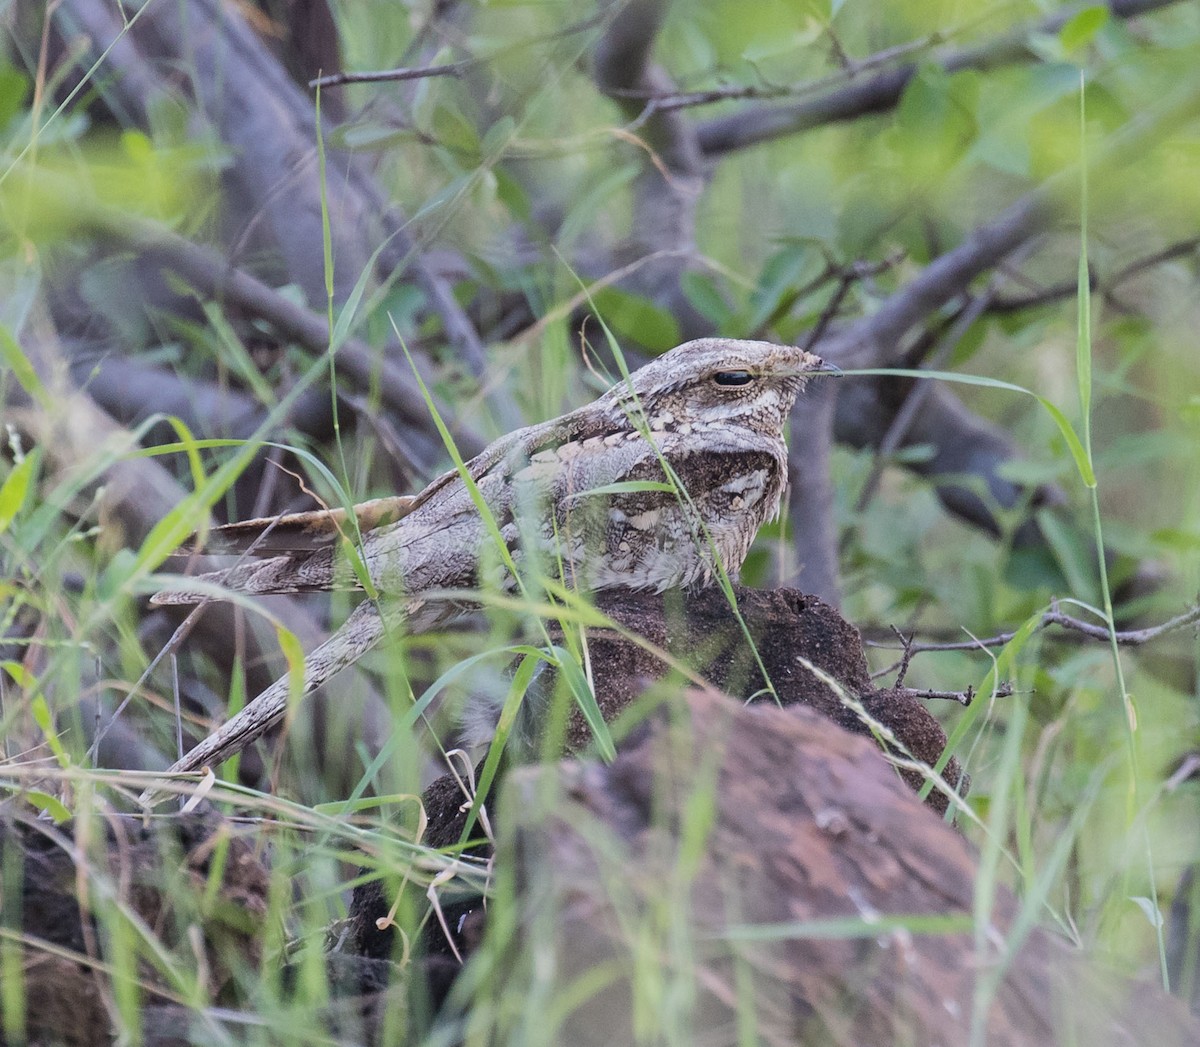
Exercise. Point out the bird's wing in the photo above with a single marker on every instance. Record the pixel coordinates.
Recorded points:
(297, 553)
(299, 533)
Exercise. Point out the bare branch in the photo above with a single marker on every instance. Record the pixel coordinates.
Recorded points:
(1099, 285)
(881, 92)
(964, 698)
(1127, 637)
(212, 276)
(743, 92)
(454, 69)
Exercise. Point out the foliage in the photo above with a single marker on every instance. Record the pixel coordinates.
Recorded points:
(536, 184)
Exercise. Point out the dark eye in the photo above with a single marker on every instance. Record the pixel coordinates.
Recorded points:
(733, 378)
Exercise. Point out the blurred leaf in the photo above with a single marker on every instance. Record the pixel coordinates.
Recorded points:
(14, 85)
(1047, 46)
(1149, 910)
(1030, 472)
(914, 454)
(1176, 539)
(704, 295)
(496, 139)
(1189, 411)
(45, 721)
(629, 487)
(1074, 552)
(934, 124)
(47, 804)
(1082, 27)
(637, 319)
(455, 132)
(738, 30)
(15, 489)
(293, 653)
(1034, 568)
(18, 672)
(12, 355)
(773, 45)
(512, 194)
(784, 274)
(369, 136)
(597, 198)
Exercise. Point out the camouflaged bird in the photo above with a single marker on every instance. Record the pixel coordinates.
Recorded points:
(674, 468)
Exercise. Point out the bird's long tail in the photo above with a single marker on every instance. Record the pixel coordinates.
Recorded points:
(361, 631)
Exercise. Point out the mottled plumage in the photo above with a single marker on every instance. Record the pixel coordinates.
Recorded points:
(593, 494)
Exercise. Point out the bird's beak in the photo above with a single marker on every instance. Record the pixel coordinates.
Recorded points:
(830, 369)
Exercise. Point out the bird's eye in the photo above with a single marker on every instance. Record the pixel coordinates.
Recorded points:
(733, 378)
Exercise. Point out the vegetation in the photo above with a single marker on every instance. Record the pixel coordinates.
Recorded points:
(221, 285)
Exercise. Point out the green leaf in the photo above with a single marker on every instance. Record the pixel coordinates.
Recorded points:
(785, 272)
(12, 354)
(370, 136)
(1179, 540)
(1002, 669)
(15, 489)
(48, 804)
(1082, 27)
(637, 319)
(498, 136)
(45, 721)
(934, 124)
(704, 295)
(1078, 454)
(1149, 910)
(13, 86)
(1073, 443)
(1083, 342)
(18, 672)
(572, 673)
(1074, 555)
(293, 653)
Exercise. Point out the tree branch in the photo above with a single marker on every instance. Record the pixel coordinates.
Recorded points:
(1125, 637)
(755, 124)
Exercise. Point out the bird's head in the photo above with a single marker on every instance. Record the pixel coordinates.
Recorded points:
(722, 381)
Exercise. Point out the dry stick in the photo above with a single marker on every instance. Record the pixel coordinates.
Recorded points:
(881, 92)
(454, 69)
(1126, 637)
(744, 92)
(964, 698)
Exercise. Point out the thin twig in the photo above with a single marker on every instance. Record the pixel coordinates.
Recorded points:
(848, 276)
(669, 101)
(964, 698)
(385, 75)
(1069, 288)
(1126, 638)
